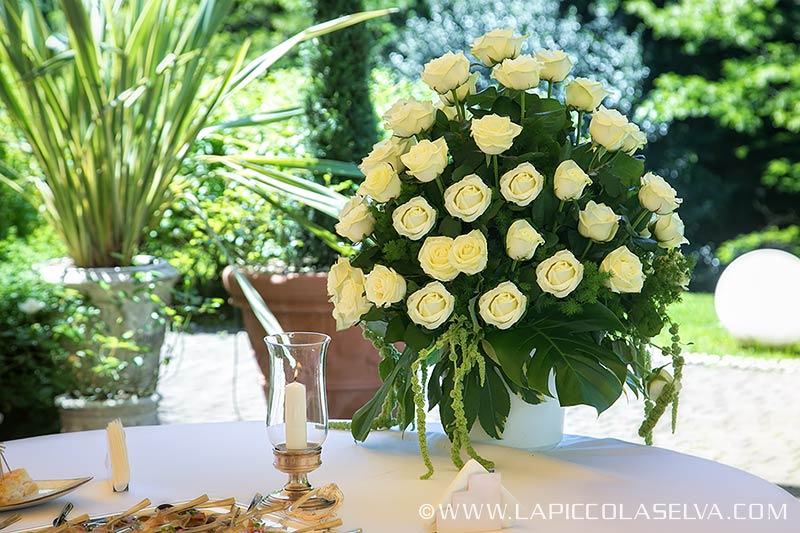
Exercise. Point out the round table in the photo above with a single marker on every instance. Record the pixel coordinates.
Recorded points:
(578, 486)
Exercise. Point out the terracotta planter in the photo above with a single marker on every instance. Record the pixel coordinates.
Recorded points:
(300, 303)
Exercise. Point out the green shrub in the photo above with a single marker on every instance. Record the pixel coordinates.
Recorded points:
(31, 360)
(787, 239)
(342, 120)
(604, 49)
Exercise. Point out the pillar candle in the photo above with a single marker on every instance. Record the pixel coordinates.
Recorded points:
(295, 414)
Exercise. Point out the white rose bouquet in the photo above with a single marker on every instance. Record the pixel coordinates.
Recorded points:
(497, 244)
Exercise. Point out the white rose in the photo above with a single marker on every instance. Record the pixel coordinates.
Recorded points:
(668, 231)
(414, 218)
(351, 304)
(522, 184)
(340, 272)
(426, 160)
(409, 117)
(469, 253)
(635, 139)
(384, 286)
(570, 180)
(555, 65)
(434, 258)
(585, 94)
(494, 134)
(467, 198)
(449, 111)
(522, 239)
(657, 195)
(502, 306)
(430, 306)
(447, 72)
(381, 184)
(355, 220)
(495, 46)
(31, 306)
(559, 274)
(625, 269)
(658, 382)
(598, 222)
(608, 128)
(521, 73)
(388, 151)
(462, 91)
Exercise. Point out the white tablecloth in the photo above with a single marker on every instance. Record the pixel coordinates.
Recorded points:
(570, 488)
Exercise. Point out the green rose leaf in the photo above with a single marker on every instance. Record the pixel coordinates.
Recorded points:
(450, 227)
(416, 338)
(395, 329)
(484, 99)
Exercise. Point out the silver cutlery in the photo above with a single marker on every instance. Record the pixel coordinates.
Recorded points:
(62, 517)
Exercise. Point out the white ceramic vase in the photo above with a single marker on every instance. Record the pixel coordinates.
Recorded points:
(529, 427)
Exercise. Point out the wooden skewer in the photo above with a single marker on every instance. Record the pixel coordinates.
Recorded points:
(188, 505)
(218, 503)
(136, 508)
(66, 525)
(13, 519)
(324, 525)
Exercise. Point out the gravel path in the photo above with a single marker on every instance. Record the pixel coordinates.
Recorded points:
(731, 411)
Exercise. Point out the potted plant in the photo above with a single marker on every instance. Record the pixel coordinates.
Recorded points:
(512, 255)
(294, 287)
(110, 101)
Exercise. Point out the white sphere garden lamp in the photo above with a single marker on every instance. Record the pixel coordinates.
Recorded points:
(757, 298)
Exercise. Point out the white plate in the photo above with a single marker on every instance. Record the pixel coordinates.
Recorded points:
(49, 489)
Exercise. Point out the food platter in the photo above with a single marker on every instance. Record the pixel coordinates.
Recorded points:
(196, 516)
(48, 489)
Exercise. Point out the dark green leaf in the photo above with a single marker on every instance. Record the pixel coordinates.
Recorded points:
(416, 338)
(450, 227)
(395, 330)
(362, 419)
(495, 404)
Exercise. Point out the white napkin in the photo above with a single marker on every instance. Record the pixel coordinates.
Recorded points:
(485, 485)
(118, 456)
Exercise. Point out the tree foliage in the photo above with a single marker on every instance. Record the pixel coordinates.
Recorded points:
(727, 79)
(343, 123)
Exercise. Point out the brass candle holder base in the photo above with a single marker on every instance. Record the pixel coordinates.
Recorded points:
(297, 464)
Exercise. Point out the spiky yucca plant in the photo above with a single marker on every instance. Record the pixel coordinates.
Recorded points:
(111, 100)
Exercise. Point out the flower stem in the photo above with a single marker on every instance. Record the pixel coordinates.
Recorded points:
(549, 88)
(586, 250)
(457, 104)
(439, 184)
(522, 105)
(639, 218)
(578, 128)
(496, 172)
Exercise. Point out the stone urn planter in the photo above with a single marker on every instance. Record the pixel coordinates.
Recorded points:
(300, 303)
(81, 414)
(138, 404)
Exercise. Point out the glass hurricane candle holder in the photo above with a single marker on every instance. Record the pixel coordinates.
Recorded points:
(297, 412)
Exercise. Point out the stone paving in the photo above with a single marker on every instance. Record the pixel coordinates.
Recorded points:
(744, 413)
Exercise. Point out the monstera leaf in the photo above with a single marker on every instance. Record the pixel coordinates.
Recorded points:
(587, 371)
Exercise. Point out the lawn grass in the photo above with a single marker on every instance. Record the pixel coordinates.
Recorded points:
(700, 328)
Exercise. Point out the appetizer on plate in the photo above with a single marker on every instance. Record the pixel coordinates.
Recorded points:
(15, 486)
